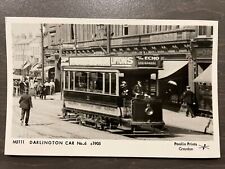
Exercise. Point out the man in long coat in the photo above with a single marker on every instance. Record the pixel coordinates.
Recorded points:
(189, 98)
(25, 105)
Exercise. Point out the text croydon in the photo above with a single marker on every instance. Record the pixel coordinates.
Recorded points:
(48, 142)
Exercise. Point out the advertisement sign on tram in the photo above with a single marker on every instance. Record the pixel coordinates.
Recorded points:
(119, 61)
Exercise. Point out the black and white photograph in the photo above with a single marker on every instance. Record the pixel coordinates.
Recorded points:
(100, 87)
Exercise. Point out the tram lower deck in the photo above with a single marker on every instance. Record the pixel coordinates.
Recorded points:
(106, 98)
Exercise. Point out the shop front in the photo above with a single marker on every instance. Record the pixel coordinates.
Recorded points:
(173, 80)
(204, 92)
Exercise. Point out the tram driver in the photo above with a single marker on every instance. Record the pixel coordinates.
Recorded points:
(138, 91)
(124, 89)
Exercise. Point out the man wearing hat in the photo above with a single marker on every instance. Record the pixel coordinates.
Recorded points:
(138, 89)
(25, 105)
(189, 98)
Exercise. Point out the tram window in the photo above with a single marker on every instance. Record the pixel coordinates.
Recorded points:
(71, 80)
(81, 81)
(95, 82)
(107, 83)
(113, 83)
(153, 88)
(66, 79)
(92, 81)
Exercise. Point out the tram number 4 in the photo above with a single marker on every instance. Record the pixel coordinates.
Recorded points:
(95, 143)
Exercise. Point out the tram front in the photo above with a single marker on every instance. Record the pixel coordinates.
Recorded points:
(140, 105)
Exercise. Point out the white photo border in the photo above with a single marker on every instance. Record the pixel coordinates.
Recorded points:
(109, 148)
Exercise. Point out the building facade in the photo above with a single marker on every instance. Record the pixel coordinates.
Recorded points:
(177, 45)
(26, 53)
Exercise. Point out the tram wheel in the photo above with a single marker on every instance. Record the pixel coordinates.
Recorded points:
(103, 127)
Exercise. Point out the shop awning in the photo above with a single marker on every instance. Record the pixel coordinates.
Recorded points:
(17, 77)
(36, 67)
(205, 76)
(17, 65)
(26, 65)
(64, 61)
(170, 67)
(46, 68)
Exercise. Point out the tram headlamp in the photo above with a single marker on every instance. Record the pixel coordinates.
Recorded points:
(148, 110)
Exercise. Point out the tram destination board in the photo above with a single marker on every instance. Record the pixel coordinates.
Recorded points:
(111, 88)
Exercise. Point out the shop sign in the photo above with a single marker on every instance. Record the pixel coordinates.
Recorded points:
(203, 53)
(122, 61)
(68, 46)
(148, 61)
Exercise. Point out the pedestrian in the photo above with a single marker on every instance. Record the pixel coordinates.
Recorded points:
(138, 90)
(52, 87)
(22, 86)
(35, 88)
(44, 91)
(188, 97)
(25, 105)
(31, 86)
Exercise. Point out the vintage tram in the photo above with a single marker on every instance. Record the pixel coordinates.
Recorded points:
(99, 91)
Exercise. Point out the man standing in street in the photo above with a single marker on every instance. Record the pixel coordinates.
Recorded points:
(25, 105)
(189, 98)
(52, 87)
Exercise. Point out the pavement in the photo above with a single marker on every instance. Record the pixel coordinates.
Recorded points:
(175, 119)
(180, 120)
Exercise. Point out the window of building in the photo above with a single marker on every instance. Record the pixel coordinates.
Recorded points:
(72, 31)
(125, 30)
(177, 27)
(159, 28)
(148, 28)
(211, 30)
(202, 30)
(143, 29)
(92, 29)
(165, 27)
(179, 35)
